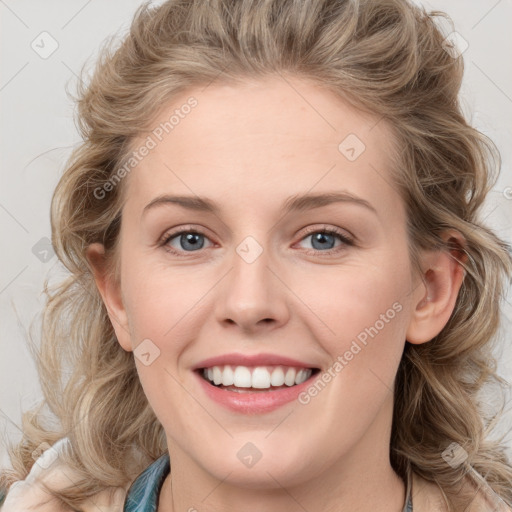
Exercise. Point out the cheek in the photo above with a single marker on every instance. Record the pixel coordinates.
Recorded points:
(347, 299)
(360, 318)
(158, 300)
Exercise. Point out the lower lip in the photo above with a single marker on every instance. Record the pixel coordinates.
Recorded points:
(256, 402)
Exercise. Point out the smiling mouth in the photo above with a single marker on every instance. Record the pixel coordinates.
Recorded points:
(262, 379)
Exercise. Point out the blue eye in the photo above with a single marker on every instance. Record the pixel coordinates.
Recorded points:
(188, 240)
(323, 240)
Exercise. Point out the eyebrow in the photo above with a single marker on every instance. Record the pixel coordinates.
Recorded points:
(296, 203)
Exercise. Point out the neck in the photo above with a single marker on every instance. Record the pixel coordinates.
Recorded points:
(361, 480)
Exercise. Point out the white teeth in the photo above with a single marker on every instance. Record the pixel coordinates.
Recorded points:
(228, 378)
(289, 378)
(242, 377)
(277, 378)
(217, 375)
(302, 375)
(259, 377)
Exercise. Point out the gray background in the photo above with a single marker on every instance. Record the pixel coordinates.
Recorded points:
(38, 133)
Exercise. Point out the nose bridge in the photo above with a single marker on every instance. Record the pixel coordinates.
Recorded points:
(252, 294)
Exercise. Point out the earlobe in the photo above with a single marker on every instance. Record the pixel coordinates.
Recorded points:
(110, 292)
(436, 297)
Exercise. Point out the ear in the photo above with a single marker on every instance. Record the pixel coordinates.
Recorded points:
(434, 301)
(110, 291)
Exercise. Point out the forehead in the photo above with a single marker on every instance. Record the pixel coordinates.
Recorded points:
(263, 139)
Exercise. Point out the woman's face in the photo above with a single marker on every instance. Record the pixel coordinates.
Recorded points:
(261, 279)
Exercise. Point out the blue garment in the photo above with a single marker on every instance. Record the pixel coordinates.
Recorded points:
(142, 496)
(408, 491)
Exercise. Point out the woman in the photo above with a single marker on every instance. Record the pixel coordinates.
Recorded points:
(280, 287)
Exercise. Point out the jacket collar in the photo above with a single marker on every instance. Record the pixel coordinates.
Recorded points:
(142, 495)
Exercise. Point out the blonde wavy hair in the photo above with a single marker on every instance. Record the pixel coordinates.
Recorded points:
(386, 57)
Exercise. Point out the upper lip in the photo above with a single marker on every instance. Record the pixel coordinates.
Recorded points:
(235, 359)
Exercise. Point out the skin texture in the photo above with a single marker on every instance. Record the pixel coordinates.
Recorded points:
(249, 148)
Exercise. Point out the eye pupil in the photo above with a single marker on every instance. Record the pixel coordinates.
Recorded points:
(321, 237)
(191, 238)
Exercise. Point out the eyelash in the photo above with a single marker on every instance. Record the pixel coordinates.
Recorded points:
(347, 241)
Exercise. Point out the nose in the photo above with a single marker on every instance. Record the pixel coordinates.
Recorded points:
(253, 295)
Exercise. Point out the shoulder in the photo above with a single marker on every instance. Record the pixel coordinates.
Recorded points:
(427, 496)
(49, 470)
